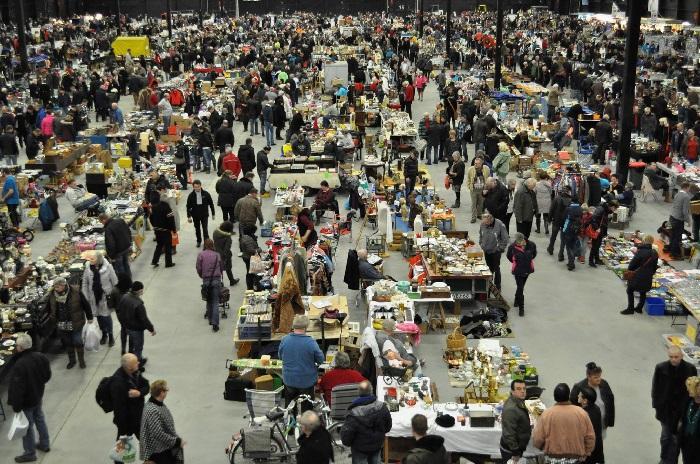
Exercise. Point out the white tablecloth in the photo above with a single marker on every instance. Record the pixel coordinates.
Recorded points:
(306, 179)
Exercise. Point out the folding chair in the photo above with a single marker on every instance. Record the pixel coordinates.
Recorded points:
(648, 189)
(342, 397)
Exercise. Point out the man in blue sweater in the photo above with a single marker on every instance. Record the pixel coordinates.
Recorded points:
(300, 356)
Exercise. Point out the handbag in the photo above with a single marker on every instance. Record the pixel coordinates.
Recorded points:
(591, 232)
(629, 275)
(174, 239)
(256, 265)
(448, 181)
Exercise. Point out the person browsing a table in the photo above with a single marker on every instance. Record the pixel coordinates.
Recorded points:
(300, 356)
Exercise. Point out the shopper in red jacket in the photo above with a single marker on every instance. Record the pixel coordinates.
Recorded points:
(230, 162)
(340, 375)
(408, 95)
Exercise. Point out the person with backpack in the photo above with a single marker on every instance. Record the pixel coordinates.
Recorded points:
(570, 231)
(123, 394)
(521, 253)
(182, 163)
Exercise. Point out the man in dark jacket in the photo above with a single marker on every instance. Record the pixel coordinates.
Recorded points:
(225, 187)
(456, 173)
(33, 143)
(128, 389)
(246, 155)
(31, 372)
(515, 423)
(132, 314)
(117, 243)
(163, 222)
(199, 203)
(223, 136)
(557, 214)
(496, 198)
(242, 188)
(263, 164)
(644, 265)
(429, 449)
(668, 396)
(8, 146)
(367, 423)
(525, 206)
(410, 171)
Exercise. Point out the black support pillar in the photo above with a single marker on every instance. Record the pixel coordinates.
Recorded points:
(448, 30)
(119, 17)
(421, 17)
(169, 18)
(201, 13)
(22, 36)
(499, 45)
(629, 80)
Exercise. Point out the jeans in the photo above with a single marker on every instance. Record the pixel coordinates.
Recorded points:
(263, 181)
(86, 204)
(71, 339)
(253, 123)
(493, 261)
(136, 343)
(105, 323)
(676, 236)
(213, 300)
(669, 444)
(520, 280)
(35, 416)
(362, 458)
(269, 134)
(121, 263)
(166, 123)
(201, 226)
(206, 155)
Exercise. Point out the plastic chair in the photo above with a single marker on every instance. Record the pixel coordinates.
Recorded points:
(342, 397)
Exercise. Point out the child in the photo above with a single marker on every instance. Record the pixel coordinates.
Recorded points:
(393, 358)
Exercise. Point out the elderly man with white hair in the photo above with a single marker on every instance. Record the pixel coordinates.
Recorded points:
(25, 392)
(315, 445)
(367, 271)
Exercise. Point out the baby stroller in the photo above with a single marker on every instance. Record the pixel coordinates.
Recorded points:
(373, 364)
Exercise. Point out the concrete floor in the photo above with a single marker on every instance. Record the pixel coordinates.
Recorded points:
(572, 318)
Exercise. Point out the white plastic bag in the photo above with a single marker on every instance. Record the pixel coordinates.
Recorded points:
(124, 450)
(91, 337)
(19, 426)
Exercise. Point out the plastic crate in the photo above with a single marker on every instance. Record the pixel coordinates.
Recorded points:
(655, 306)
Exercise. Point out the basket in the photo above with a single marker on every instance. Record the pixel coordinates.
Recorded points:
(456, 340)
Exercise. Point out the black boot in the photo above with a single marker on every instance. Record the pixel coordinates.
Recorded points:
(537, 224)
(81, 356)
(111, 340)
(627, 311)
(103, 340)
(521, 311)
(71, 357)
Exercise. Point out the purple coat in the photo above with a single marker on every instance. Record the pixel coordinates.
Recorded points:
(209, 265)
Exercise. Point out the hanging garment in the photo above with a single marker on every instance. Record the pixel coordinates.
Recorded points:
(288, 302)
(352, 271)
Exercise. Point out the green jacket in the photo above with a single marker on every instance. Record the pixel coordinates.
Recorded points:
(515, 422)
(501, 163)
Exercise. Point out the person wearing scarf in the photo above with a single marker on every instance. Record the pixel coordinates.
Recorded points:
(99, 280)
(68, 308)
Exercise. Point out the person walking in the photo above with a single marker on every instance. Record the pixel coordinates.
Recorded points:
(25, 392)
(127, 389)
(521, 253)
(588, 399)
(643, 267)
(199, 203)
(247, 210)
(10, 196)
(493, 239)
(571, 233)
(8, 146)
(248, 244)
(160, 442)
(300, 355)
(263, 164)
(496, 199)
(543, 194)
(668, 395)
(133, 313)
(209, 268)
(679, 216)
(67, 306)
(222, 244)
(181, 159)
(429, 449)
(477, 175)
(122, 288)
(367, 423)
(501, 163)
(246, 156)
(99, 279)
(557, 214)
(163, 221)
(117, 243)
(605, 400)
(268, 115)
(564, 431)
(515, 423)
(456, 173)
(225, 187)
(525, 207)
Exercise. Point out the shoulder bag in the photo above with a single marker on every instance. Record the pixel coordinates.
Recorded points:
(205, 286)
(629, 275)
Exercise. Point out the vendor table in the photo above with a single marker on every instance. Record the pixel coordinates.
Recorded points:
(56, 163)
(475, 283)
(645, 155)
(306, 179)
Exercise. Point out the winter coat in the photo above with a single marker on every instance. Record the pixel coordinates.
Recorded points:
(496, 200)
(557, 210)
(246, 155)
(161, 217)
(249, 246)
(317, 448)
(247, 210)
(158, 435)
(429, 449)
(543, 193)
(263, 162)
(645, 262)
(117, 237)
(668, 392)
(352, 271)
(410, 167)
(223, 136)
(493, 238)
(522, 258)
(367, 423)
(225, 187)
(30, 373)
(594, 415)
(241, 189)
(8, 144)
(127, 411)
(689, 441)
(606, 395)
(223, 243)
(501, 163)
(202, 210)
(209, 265)
(524, 204)
(594, 190)
(515, 423)
(108, 279)
(472, 175)
(132, 313)
(79, 308)
(457, 172)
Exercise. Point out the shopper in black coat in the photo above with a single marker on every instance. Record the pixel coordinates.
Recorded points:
(496, 199)
(163, 221)
(456, 173)
(315, 443)
(33, 144)
(599, 223)
(521, 253)
(279, 117)
(410, 171)
(594, 380)
(689, 433)
(242, 188)
(644, 265)
(557, 213)
(199, 203)
(117, 242)
(246, 155)
(367, 423)
(586, 397)
(223, 136)
(225, 187)
(128, 389)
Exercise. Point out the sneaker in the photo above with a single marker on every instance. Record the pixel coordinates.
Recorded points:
(581, 259)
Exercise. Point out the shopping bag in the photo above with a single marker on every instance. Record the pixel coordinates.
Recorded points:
(175, 239)
(124, 450)
(256, 265)
(91, 337)
(448, 181)
(19, 426)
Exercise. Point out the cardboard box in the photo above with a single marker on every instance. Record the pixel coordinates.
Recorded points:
(264, 382)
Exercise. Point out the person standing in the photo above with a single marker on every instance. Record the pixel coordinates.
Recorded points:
(300, 355)
(10, 195)
(315, 443)
(67, 306)
(557, 214)
(599, 226)
(133, 313)
(429, 449)
(165, 110)
(496, 198)
(668, 396)
(588, 399)
(408, 96)
(246, 156)
(689, 433)
(501, 163)
(493, 239)
(25, 392)
(543, 194)
(571, 233)
(525, 207)
(410, 172)
(477, 175)
(222, 245)
(199, 203)
(128, 388)
(8, 146)
(456, 173)
(181, 159)
(247, 210)
(223, 137)
(564, 431)
(679, 216)
(117, 243)
(248, 244)
(367, 423)
(159, 442)
(268, 115)
(515, 423)
(605, 400)
(209, 268)
(163, 221)
(99, 279)
(521, 253)
(225, 187)
(263, 164)
(643, 265)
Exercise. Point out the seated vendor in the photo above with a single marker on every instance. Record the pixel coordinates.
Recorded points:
(393, 350)
(301, 146)
(626, 198)
(341, 374)
(367, 271)
(79, 197)
(325, 200)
